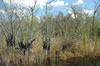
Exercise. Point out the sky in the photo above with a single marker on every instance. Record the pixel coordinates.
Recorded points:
(57, 5)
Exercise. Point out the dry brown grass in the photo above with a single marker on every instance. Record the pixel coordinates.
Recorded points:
(65, 49)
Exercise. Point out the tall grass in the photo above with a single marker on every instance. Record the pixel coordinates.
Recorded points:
(95, 38)
(84, 43)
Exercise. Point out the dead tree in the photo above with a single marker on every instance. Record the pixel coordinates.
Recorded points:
(46, 33)
(10, 40)
(94, 14)
(8, 28)
(11, 28)
(76, 14)
(45, 28)
(44, 36)
(46, 44)
(26, 46)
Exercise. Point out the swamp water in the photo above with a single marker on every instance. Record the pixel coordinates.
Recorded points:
(75, 61)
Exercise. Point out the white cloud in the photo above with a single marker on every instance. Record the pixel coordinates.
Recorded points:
(2, 12)
(84, 11)
(66, 4)
(23, 3)
(88, 11)
(57, 3)
(27, 3)
(79, 2)
(15, 11)
(40, 3)
(72, 14)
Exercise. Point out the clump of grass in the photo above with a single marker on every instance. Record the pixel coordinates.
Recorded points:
(67, 45)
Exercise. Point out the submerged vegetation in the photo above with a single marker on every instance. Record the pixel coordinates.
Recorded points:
(50, 40)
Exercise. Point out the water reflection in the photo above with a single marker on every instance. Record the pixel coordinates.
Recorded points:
(75, 61)
(85, 61)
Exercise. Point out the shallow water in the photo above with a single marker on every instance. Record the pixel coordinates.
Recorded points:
(85, 61)
(75, 61)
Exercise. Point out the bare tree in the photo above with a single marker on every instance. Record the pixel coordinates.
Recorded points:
(26, 46)
(13, 28)
(8, 28)
(46, 27)
(76, 12)
(97, 5)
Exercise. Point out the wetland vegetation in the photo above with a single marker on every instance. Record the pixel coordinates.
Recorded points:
(64, 39)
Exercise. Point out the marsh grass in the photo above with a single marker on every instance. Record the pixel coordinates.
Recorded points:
(61, 49)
